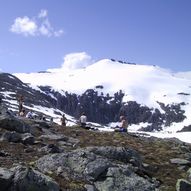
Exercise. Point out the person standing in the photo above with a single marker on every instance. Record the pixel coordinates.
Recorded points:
(20, 100)
(63, 120)
(83, 120)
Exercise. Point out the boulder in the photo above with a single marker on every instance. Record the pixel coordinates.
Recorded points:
(122, 154)
(14, 124)
(11, 136)
(189, 174)
(183, 185)
(15, 137)
(28, 179)
(27, 139)
(122, 178)
(6, 177)
(108, 168)
(180, 161)
(51, 148)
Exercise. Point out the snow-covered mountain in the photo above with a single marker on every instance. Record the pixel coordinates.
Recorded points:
(151, 97)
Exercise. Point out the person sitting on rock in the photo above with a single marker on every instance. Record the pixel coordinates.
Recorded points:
(122, 125)
(29, 115)
(22, 113)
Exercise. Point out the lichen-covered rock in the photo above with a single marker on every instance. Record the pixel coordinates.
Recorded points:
(122, 154)
(122, 178)
(11, 137)
(22, 178)
(14, 124)
(27, 139)
(28, 179)
(6, 177)
(108, 168)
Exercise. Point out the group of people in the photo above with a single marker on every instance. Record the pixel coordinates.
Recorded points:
(82, 120)
(121, 127)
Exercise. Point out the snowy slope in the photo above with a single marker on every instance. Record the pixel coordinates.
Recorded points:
(184, 75)
(144, 84)
(141, 83)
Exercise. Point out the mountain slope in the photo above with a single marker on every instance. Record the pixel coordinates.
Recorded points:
(144, 84)
(150, 97)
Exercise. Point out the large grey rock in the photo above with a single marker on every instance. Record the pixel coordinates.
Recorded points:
(51, 148)
(27, 179)
(11, 136)
(6, 177)
(107, 168)
(180, 161)
(89, 187)
(14, 124)
(183, 185)
(21, 178)
(27, 138)
(53, 137)
(122, 154)
(95, 168)
(189, 174)
(121, 178)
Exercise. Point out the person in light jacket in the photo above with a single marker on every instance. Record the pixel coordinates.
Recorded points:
(83, 120)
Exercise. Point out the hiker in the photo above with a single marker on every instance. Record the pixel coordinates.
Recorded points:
(82, 120)
(63, 120)
(29, 115)
(20, 100)
(22, 113)
(122, 125)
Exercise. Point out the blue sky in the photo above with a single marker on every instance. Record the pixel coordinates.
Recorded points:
(36, 35)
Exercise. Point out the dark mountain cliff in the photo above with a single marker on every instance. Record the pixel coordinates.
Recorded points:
(15, 87)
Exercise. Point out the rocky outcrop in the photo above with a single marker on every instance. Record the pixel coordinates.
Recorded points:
(185, 128)
(15, 137)
(106, 168)
(80, 159)
(21, 178)
(183, 185)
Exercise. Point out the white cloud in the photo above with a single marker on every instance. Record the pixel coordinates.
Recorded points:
(58, 33)
(77, 60)
(43, 13)
(24, 26)
(35, 27)
(46, 29)
(74, 61)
